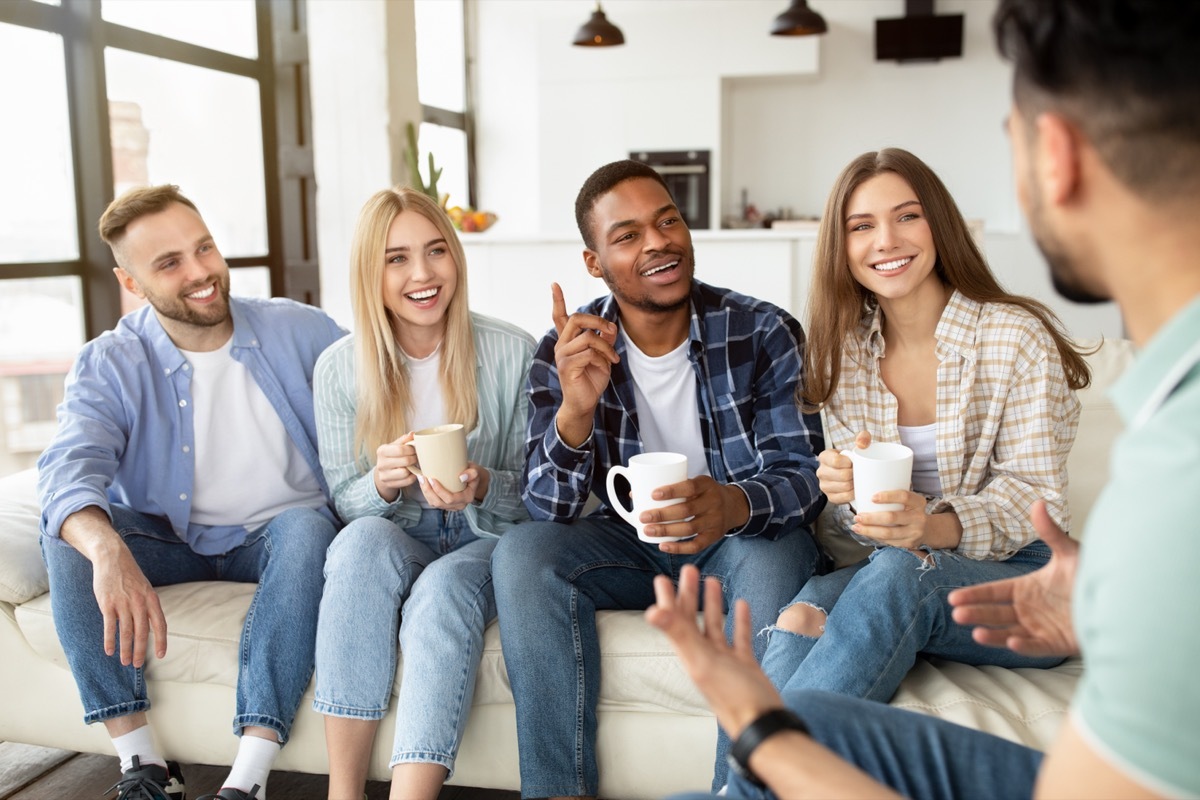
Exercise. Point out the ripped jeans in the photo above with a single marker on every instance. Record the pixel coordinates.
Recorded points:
(883, 612)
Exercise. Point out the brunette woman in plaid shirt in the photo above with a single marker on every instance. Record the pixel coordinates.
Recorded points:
(912, 340)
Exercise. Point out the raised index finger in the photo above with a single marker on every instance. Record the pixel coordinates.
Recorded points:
(559, 312)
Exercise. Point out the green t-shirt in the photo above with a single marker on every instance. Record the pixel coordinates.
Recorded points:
(1137, 597)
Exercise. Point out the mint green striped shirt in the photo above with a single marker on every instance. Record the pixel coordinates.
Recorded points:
(502, 355)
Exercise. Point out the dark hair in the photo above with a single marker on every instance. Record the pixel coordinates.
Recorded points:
(600, 183)
(1127, 72)
(837, 301)
(134, 204)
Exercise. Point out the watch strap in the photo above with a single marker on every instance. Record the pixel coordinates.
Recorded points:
(757, 732)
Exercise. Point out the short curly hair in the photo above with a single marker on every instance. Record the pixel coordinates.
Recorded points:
(600, 183)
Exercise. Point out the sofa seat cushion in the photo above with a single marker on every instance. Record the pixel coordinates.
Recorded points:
(204, 626)
(639, 671)
(1026, 706)
(22, 571)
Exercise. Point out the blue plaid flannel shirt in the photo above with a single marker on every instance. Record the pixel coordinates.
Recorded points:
(748, 359)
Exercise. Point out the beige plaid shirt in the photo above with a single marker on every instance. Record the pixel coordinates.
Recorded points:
(1006, 420)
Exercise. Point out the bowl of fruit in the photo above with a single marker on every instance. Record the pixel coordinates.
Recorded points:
(468, 220)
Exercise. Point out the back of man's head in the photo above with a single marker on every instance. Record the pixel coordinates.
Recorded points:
(600, 183)
(134, 204)
(1126, 72)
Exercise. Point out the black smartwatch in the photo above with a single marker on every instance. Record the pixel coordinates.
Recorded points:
(757, 732)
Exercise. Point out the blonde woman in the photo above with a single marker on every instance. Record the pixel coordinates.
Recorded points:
(414, 556)
(913, 340)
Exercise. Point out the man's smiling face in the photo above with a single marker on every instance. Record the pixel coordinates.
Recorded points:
(643, 247)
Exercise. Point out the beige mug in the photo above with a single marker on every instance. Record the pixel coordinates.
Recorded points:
(441, 454)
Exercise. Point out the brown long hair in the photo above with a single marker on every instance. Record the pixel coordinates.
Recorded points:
(837, 302)
(384, 396)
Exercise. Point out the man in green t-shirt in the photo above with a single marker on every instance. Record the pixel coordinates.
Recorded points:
(1105, 131)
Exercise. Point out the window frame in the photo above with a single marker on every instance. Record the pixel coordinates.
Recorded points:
(281, 70)
(462, 120)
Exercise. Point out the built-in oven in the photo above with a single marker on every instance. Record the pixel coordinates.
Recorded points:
(686, 173)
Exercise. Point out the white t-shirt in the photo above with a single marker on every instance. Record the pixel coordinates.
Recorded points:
(922, 440)
(428, 402)
(664, 388)
(247, 469)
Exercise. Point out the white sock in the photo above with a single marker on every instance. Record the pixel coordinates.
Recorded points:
(252, 765)
(138, 742)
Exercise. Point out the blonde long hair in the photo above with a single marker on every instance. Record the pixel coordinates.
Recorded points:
(837, 302)
(384, 394)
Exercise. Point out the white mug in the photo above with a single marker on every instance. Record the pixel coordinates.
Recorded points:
(880, 467)
(645, 473)
(442, 454)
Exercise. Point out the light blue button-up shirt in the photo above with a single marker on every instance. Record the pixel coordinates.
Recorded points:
(126, 421)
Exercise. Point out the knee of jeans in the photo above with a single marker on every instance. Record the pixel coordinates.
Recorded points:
(524, 549)
(804, 619)
(899, 568)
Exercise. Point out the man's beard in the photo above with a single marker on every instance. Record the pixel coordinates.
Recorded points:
(1063, 274)
(177, 308)
(645, 302)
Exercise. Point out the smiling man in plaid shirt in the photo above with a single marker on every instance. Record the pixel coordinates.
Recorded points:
(663, 363)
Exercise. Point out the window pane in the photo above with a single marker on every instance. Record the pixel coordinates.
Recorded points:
(229, 25)
(449, 148)
(37, 192)
(441, 61)
(200, 129)
(250, 282)
(41, 330)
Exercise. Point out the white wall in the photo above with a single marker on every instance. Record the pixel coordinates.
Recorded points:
(549, 113)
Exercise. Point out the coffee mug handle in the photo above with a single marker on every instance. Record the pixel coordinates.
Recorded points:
(625, 513)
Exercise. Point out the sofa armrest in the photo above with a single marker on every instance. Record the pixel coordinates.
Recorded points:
(22, 571)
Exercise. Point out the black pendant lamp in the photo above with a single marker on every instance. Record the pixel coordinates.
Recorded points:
(598, 32)
(798, 20)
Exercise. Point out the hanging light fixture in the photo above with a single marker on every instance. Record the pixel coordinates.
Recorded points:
(598, 31)
(798, 20)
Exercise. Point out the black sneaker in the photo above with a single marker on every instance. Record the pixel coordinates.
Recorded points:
(151, 782)
(229, 793)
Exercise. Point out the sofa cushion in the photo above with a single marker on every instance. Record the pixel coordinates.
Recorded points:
(22, 571)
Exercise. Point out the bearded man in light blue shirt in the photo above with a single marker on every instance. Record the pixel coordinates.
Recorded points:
(187, 451)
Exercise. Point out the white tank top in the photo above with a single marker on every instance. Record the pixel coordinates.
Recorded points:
(922, 440)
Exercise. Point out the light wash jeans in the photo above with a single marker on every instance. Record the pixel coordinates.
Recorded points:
(883, 612)
(552, 578)
(439, 571)
(284, 557)
(919, 756)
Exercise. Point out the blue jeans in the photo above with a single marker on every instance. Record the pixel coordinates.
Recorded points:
(552, 578)
(883, 612)
(284, 557)
(920, 757)
(439, 571)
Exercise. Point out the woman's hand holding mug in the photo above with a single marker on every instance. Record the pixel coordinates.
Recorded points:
(835, 472)
(392, 462)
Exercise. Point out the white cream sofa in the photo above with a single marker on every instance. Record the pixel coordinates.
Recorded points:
(656, 734)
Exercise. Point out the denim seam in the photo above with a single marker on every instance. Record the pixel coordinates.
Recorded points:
(423, 757)
(347, 712)
(243, 721)
(580, 689)
(117, 710)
